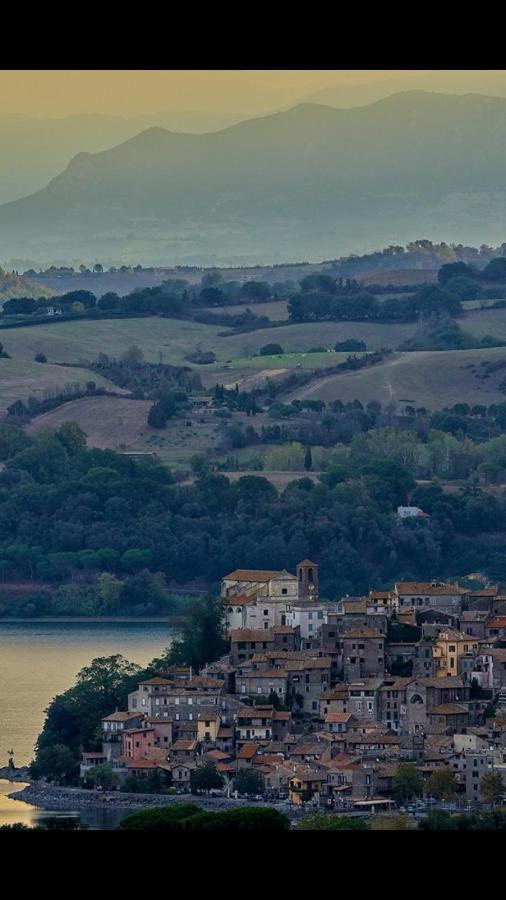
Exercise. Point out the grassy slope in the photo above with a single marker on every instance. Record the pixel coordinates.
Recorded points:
(431, 379)
(107, 421)
(20, 378)
(81, 340)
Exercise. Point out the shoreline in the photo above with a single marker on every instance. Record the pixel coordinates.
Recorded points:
(47, 620)
(51, 798)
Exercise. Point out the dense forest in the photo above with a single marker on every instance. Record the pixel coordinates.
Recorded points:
(111, 532)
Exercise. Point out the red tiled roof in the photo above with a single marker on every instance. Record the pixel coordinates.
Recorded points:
(252, 575)
(141, 763)
(247, 751)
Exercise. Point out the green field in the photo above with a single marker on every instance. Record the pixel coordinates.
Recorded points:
(170, 340)
(82, 340)
(291, 360)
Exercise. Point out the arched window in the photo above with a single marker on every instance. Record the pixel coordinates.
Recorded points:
(416, 698)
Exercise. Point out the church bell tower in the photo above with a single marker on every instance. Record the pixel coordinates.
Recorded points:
(307, 576)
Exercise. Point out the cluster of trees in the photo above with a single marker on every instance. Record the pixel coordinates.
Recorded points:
(341, 305)
(73, 718)
(466, 275)
(53, 398)
(71, 302)
(419, 254)
(187, 817)
(131, 371)
(170, 402)
(59, 497)
(441, 332)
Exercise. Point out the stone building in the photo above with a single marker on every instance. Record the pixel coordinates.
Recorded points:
(363, 653)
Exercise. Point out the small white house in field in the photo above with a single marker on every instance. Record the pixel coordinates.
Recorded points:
(409, 512)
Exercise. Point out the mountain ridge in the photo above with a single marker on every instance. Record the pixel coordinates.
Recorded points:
(311, 173)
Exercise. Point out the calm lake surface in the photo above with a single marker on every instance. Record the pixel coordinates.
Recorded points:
(39, 660)
(14, 811)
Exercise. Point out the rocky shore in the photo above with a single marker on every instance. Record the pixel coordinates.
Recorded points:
(50, 797)
(13, 774)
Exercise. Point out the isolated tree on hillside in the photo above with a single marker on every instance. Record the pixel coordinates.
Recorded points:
(133, 356)
(308, 460)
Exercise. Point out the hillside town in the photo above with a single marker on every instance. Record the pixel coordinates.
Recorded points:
(324, 700)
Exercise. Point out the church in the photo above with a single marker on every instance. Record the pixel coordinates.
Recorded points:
(263, 598)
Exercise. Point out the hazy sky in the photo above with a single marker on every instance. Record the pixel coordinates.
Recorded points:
(132, 92)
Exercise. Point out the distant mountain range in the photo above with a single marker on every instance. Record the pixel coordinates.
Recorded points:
(311, 182)
(468, 81)
(33, 150)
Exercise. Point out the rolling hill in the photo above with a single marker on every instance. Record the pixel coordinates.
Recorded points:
(312, 182)
(433, 379)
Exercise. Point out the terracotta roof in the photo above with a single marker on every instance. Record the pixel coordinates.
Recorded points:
(132, 731)
(251, 575)
(372, 739)
(500, 622)
(121, 716)
(449, 709)
(247, 751)
(225, 767)
(262, 673)
(311, 775)
(315, 662)
(280, 715)
(92, 755)
(473, 615)
(449, 681)
(357, 633)
(355, 607)
(452, 634)
(340, 693)
(218, 755)
(306, 562)
(224, 733)
(365, 684)
(188, 764)
(251, 634)
(157, 680)
(141, 763)
(283, 629)
(429, 588)
(255, 712)
(284, 576)
(183, 745)
(338, 717)
(238, 600)
(200, 681)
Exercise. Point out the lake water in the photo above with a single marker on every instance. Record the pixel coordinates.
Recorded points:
(14, 811)
(39, 660)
